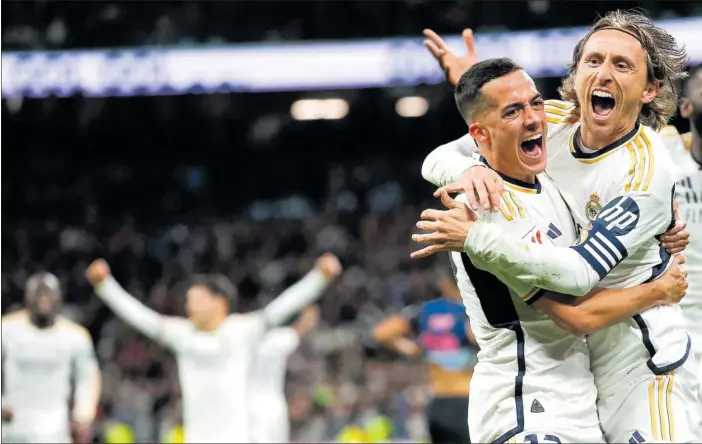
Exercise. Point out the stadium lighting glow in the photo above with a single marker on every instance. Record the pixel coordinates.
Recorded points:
(319, 109)
(413, 106)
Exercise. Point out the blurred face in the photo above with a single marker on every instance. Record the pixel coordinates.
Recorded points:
(201, 305)
(43, 305)
(691, 105)
(512, 129)
(611, 83)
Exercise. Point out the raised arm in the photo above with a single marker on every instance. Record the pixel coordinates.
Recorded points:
(603, 308)
(392, 332)
(126, 306)
(303, 293)
(307, 321)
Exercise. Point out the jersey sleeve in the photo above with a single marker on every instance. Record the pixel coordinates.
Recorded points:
(515, 223)
(295, 298)
(494, 248)
(448, 162)
(166, 330)
(621, 227)
(87, 378)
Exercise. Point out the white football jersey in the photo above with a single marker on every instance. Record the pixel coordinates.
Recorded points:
(41, 369)
(621, 198)
(688, 192)
(269, 413)
(213, 368)
(530, 373)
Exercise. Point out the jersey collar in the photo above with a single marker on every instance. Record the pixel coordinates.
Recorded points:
(516, 184)
(599, 154)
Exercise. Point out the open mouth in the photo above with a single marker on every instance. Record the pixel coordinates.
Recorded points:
(602, 103)
(533, 146)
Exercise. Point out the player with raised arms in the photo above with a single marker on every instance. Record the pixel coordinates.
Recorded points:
(213, 348)
(616, 176)
(47, 362)
(533, 378)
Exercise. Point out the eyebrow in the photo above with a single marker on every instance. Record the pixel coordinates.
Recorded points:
(521, 104)
(614, 56)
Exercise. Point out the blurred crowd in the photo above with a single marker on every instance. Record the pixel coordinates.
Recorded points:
(339, 377)
(73, 24)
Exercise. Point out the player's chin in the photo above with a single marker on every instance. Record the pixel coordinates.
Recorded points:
(601, 120)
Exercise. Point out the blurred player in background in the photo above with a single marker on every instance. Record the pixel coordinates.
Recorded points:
(442, 330)
(48, 362)
(618, 180)
(269, 407)
(213, 348)
(686, 151)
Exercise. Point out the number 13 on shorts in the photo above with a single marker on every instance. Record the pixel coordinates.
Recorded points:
(535, 438)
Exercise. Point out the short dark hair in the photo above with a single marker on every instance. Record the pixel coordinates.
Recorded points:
(219, 285)
(467, 93)
(695, 71)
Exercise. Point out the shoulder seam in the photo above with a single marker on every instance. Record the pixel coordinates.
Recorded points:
(510, 207)
(74, 326)
(558, 111)
(643, 163)
(14, 315)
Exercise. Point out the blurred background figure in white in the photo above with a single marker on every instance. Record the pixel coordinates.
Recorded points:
(269, 408)
(48, 364)
(214, 348)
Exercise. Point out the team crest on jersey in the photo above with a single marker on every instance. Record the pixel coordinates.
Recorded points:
(593, 206)
(584, 233)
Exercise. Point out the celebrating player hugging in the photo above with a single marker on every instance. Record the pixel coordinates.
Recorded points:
(607, 163)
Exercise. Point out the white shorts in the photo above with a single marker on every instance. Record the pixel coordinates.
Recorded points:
(652, 408)
(539, 412)
(560, 435)
(269, 420)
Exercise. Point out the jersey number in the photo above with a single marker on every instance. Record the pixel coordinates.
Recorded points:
(534, 439)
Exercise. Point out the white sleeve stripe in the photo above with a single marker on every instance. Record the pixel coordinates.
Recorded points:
(614, 250)
(600, 248)
(597, 257)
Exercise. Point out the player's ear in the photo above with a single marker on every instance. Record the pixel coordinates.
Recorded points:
(685, 108)
(478, 132)
(651, 92)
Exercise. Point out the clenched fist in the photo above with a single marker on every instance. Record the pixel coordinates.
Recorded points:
(7, 414)
(329, 265)
(97, 272)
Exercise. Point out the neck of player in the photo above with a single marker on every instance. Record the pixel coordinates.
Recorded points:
(41, 320)
(212, 323)
(598, 138)
(511, 170)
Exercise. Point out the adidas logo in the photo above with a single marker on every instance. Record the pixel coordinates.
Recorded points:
(636, 438)
(536, 407)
